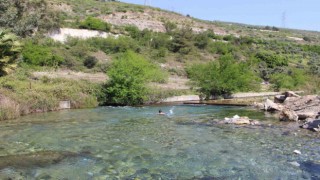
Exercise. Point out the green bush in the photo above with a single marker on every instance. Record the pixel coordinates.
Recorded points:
(182, 41)
(221, 77)
(114, 45)
(201, 40)
(90, 62)
(288, 81)
(271, 59)
(40, 55)
(95, 24)
(128, 77)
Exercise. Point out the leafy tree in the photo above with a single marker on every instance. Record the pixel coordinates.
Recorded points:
(221, 77)
(10, 48)
(25, 17)
(128, 77)
(182, 41)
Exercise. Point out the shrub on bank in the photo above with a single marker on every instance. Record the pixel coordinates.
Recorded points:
(95, 24)
(223, 77)
(128, 77)
(23, 94)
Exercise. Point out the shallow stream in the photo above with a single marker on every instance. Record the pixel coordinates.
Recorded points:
(136, 143)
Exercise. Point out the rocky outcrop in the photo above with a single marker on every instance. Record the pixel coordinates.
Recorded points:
(271, 106)
(306, 107)
(293, 107)
(288, 115)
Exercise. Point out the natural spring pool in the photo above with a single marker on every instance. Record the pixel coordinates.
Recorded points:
(136, 143)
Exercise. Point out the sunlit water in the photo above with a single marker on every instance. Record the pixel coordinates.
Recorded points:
(135, 142)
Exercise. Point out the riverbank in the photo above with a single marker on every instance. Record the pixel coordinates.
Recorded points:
(22, 94)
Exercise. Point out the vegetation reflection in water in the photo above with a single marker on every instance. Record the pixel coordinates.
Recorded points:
(135, 142)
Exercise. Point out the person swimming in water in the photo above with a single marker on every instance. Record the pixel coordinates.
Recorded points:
(161, 113)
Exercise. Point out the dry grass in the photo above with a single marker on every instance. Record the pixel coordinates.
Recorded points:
(73, 75)
(9, 109)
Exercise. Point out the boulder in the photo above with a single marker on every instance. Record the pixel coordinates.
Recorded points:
(290, 94)
(303, 102)
(312, 125)
(304, 115)
(288, 115)
(271, 106)
(258, 105)
(279, 98)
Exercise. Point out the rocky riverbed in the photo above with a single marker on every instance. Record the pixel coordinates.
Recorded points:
(295, 108)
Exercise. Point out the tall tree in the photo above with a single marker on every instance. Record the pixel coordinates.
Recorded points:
(10, 48)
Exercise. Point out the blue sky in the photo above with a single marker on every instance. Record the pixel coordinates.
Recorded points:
(299, 14)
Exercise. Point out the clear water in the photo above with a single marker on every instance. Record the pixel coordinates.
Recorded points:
(135, 143)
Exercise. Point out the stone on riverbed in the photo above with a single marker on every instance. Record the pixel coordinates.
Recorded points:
(312, 125)
(288, 115)
(35, 159)
(237, 120)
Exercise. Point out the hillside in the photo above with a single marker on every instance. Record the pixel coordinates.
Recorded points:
(89, 51)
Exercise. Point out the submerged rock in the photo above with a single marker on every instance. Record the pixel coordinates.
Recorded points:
(294, 163)
(36, 159)
(237, 120)
(312, 125)
(311, 167)
(297, 152)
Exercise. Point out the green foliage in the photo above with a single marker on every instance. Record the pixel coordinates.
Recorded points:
(133, 31)
(95, 24)
(182, 41)
(23, 94)
(128, 77)
(160, 41)
(201, 40)
(90, 62)
(287, 81)
(221, 48)
(170, 26)
(271, 59)
(114, 45)
(10, 48)
(221, 77)
(24, 17)
(38, 55)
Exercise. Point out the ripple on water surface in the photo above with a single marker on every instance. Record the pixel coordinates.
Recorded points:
(134, 142)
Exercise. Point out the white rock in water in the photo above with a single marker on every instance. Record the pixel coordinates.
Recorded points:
(294, 163)
(236, 117)
(297, 151)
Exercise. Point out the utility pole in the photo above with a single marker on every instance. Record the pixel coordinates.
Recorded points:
(284, 19)
(147, 2)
